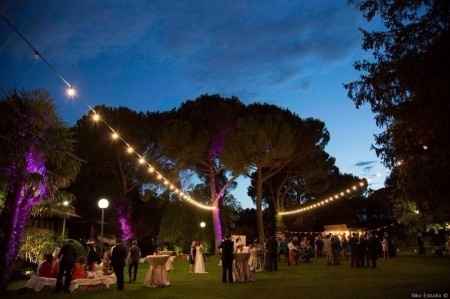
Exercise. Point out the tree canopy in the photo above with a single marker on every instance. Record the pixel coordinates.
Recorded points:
(406, 85)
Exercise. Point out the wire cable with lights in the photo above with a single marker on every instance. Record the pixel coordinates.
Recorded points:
(72, 92)
(151, 169)
(326, 201)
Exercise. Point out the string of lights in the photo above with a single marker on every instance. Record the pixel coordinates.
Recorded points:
(151, 169)
(326, 201)
(71, 92)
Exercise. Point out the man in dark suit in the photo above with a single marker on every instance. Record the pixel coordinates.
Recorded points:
(227, 259)
(67, 257)
(118, 256)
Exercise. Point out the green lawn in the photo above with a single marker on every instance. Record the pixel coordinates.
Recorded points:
(396, 278)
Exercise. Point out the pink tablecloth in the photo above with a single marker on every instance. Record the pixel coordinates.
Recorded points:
(241, 271)
(156, 275)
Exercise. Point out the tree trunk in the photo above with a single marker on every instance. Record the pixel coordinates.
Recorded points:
(259, 214)
(217, 222)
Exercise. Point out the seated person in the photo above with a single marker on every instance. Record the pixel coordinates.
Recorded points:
(79, 268)
(46, 269)
(106, 263)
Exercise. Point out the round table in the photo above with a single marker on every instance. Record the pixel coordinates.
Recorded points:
(241, 271)
(156, 275)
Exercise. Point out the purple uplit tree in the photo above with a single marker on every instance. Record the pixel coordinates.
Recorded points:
(36, 161)
(124, 220)
(29, 192)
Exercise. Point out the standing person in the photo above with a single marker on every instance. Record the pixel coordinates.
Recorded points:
(362, 250)
(272, 252)
(328, 249)
(67, 257)
(118, 257)
(134, 255)
(373, 250)
(192, 257)
(227, 247)
(353, 242)
(92, 257)
(199, 266)
(385, 247)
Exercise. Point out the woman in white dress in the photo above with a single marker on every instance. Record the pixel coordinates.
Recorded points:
(199, 265)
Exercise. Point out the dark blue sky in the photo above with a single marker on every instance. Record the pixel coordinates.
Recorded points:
(152, 55)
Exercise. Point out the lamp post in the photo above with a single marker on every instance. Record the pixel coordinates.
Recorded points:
(65, 204)
(102, 203)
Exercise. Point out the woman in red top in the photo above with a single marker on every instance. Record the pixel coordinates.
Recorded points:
(79, 269)
(46, 269)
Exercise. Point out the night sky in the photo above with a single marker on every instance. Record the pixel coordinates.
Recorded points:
(153, 55)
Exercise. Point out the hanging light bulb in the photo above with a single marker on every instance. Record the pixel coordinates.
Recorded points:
(71, 92)
(361, 184)
(159, 176)
(141, 160)
(114, 136)
(130, 150)
(151, 169)
(95, 117)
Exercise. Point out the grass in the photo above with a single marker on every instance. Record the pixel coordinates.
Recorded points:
(396, 278)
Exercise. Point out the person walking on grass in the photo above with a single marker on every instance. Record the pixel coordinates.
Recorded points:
(134, 255)
(67, 257)
(385, 247)
(118, 257)
(227, 247)
(373, 249)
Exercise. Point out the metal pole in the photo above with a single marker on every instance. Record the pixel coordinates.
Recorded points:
(103, 220)
(64, 227)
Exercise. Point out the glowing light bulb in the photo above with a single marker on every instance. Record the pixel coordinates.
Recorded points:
(130, 150)
(336, 196)
(166, 182)
(354, 187)
(159, 176)
(348, 191)
(114, 136)
(361, 184)
(141, 160)
(71, 92)
(425, 147)
(342, 193)
(95, 117)
(151, 169)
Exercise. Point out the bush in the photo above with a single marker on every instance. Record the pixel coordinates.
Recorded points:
(36, 243)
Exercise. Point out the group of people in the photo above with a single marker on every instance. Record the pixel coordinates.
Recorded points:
(363, 249)
(297, 250)
(66, 266)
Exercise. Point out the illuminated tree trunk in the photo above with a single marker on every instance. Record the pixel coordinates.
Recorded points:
(124, 220)
(259, 214)
(27, 187)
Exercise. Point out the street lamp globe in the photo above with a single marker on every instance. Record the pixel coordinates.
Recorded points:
(103, 203)
(202, 224)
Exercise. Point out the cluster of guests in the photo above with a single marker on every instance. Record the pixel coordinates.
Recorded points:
(299, 250)
(65, 265)
(363, 250)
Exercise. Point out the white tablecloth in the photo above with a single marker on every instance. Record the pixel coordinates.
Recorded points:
(156, 275)
(37, 283)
